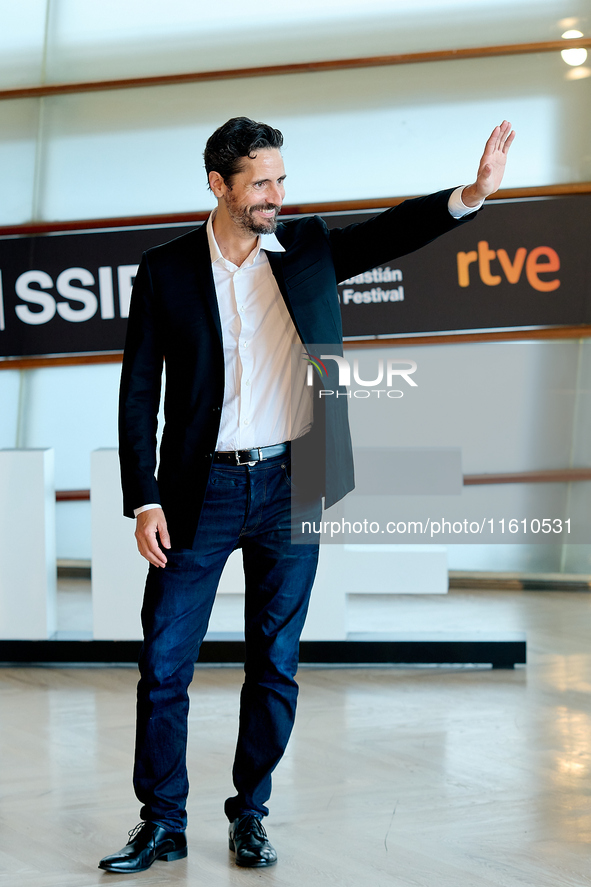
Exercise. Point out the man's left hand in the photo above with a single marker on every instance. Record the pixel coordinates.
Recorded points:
(492, 166)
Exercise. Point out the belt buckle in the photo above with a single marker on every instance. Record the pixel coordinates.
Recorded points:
(248, 462)
(238, 462)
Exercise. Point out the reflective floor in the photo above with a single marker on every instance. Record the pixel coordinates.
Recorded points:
(394, 777)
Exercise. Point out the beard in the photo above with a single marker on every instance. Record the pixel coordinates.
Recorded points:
(244, 219)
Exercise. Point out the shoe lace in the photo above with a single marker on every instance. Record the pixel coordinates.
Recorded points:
(135, 831)
(251, 823)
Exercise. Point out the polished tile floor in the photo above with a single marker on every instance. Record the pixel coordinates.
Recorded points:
(433, 777)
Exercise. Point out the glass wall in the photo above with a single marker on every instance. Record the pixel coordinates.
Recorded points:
(132, 38)
(349, 134)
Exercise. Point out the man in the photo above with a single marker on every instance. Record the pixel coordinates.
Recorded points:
(224, 306)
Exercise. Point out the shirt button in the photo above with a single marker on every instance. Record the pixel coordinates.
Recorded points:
(248, 381)
(246, 421)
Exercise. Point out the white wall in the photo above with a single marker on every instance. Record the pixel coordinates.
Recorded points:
(509, 407)
(127, 38)
(349, 134)
(74, 410)
(10, 382)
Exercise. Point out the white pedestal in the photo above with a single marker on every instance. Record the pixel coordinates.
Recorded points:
(118, 569)
(369, 570)
(27, 545)
(327, 615)
(394, 569)
(119, 572)
(326, 620)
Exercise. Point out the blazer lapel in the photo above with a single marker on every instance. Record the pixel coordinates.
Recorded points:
(205, 278)
(276, 263)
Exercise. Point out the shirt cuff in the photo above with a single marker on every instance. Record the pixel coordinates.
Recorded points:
(456, 205)
(137, 511)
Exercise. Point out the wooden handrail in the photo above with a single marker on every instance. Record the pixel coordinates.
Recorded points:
(551, 476)
(542, 334)
(581, 331)
(72, 495)
(379, 61)
(567, 189)
(59, 360)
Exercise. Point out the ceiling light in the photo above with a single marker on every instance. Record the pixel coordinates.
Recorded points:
(578, 73)
(574, 56)
(572, 35)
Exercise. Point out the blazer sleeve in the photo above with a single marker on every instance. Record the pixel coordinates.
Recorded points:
(139, 396)
(395, 232)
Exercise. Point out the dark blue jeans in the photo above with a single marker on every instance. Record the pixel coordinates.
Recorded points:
(247, 507)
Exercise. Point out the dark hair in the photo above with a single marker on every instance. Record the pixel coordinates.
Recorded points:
(239, 137)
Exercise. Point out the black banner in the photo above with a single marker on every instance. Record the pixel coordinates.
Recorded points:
(519, 264)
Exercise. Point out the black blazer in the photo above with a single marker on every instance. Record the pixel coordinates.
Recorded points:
(174, 318)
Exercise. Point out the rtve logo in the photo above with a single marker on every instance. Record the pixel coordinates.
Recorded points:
(541, 260)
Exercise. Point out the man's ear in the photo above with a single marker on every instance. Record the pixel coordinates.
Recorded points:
(217, 184)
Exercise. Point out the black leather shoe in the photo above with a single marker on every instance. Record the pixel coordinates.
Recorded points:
(147, 842)
(249, 841)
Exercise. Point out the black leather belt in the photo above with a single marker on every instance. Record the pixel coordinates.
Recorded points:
(258, 454)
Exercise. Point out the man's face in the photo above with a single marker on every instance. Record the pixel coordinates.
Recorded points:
(255, 195)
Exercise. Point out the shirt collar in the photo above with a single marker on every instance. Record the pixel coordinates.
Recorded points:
(267, 242)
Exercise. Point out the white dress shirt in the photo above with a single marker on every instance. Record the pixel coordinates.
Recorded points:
(266, 400)
(263, 404)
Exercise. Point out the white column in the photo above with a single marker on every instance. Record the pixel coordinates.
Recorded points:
(28, 605)
(327, 614)
(377, 571)
(118, 570)
(394, 569)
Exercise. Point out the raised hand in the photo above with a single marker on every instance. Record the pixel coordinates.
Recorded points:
(492, 165)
